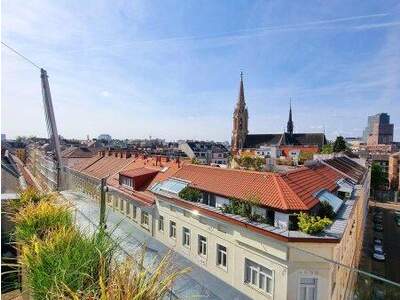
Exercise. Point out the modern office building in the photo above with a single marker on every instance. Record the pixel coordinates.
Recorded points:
(379, 130)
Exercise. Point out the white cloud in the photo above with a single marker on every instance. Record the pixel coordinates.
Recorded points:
(105, 94)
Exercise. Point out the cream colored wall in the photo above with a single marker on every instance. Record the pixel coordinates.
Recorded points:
(239, 244)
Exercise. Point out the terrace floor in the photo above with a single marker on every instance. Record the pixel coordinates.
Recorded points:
(198, 284)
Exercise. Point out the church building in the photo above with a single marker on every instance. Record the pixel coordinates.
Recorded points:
(285, 144)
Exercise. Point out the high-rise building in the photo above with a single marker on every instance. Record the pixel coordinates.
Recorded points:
(379, 130)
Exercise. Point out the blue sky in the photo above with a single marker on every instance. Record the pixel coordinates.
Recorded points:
(170, 69)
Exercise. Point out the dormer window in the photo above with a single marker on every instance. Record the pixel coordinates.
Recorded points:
(126, 182)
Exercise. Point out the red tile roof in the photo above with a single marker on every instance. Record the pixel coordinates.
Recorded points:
(111, 165)
(292, 191)
(138, 172)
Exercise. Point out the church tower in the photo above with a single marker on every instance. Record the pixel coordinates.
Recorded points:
(290, 125)
(240, 119)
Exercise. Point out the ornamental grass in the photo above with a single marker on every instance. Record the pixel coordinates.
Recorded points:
(60, 261)
(36, 219)
(66, 261)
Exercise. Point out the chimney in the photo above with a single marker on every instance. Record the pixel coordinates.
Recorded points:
(178, 161)
(109, 152)
(167, 159)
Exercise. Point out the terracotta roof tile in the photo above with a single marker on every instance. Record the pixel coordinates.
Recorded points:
(292, 191)
(268, 188)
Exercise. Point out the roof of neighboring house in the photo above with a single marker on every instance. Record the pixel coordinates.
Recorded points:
(257, 140)
(202, 146)
(292, 191)
(298, 139)
(348, 167)
(78, 152)
(138, 172)
(112, 166)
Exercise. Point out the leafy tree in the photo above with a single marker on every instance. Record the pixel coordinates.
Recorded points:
(339, 145)
(190, 194)
(312, 224)
(327, 149)
(247, 162)
(325, 210)
(259, 163)
(378, 177)
(304, 156)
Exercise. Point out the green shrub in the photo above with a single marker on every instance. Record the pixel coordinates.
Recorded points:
(66, 261)
(37, 219)
(312, 224)
(190, 194)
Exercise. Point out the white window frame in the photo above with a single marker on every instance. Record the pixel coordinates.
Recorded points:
(127, 182)
(256, 273)
(307, 286)
(186, 237)
(161, 223)
(223, 253)
(121, 204)
(202, 245)
(127, 208)
(144, 219)
(172, 230)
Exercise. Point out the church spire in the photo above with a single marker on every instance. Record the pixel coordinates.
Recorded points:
(241, 91)
(290, 125)
(240, 120)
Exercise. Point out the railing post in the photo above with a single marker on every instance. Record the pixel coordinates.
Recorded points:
(103, 190)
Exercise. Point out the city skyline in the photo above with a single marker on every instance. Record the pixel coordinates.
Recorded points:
(341, 60)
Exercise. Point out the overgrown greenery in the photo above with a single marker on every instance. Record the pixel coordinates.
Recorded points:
(378, 177)
(312, 224)
(325, 210)
(66, 260)
(190, 194)
(327, 148)
(127, 282)
(251, 163)
(304, 156)
(36, 219)
(244, 209)
(30, 196)
(339, 145)
(62, 262)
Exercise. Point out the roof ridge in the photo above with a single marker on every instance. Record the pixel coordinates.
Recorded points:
(281, 195)
(235, 170)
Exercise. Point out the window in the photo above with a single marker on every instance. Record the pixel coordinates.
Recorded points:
(160, 223)
(308, 288)
(126, 181)
(258, 276)
(127, 208)
(202, 245)
(172, 229)
(221, 256)
(134, 210)
(186, 237)
(121, 204)
(145, 218)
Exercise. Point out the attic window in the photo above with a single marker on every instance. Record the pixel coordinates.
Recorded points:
(126, 181)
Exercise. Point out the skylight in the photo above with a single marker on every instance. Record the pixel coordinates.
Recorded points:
(334, 201)
(171, 186)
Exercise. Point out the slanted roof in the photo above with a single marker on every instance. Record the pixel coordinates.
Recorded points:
(291, 192)
(348, 167)
(307, 181)
(138, 172)
(257, 140)
(303, 139)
